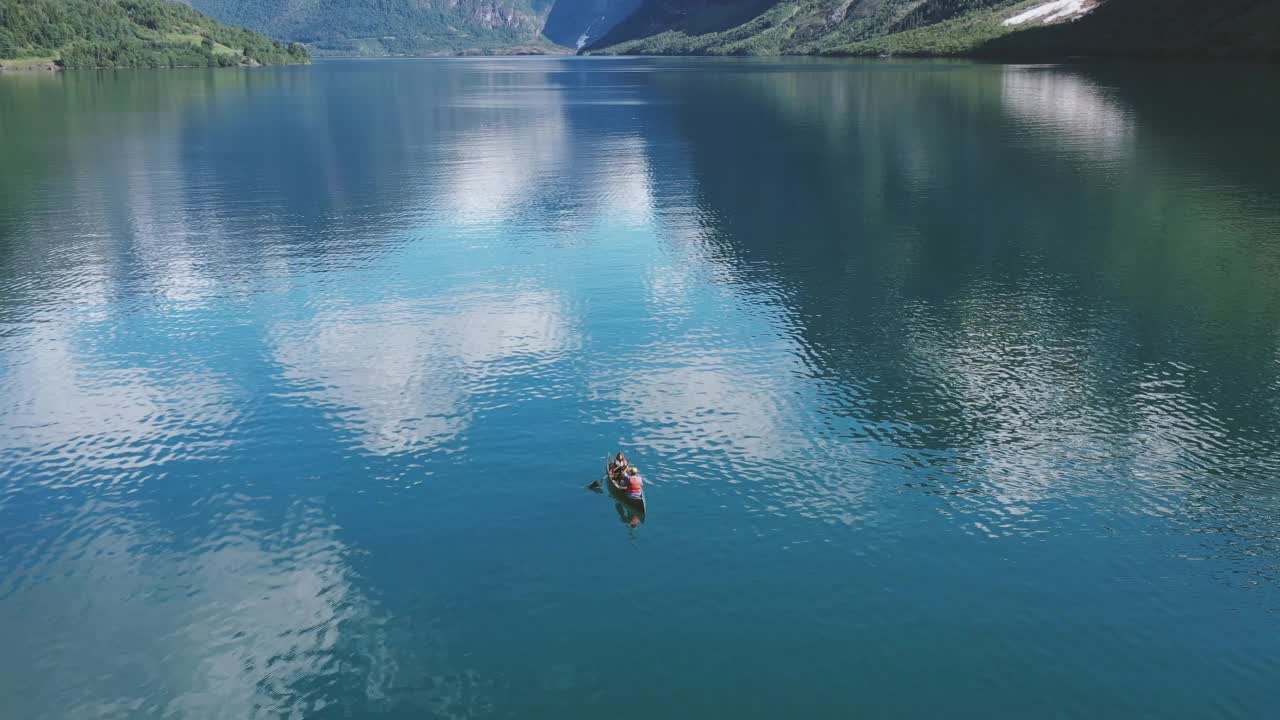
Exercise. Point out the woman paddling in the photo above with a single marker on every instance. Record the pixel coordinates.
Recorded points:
(618, 468)
(615, 470)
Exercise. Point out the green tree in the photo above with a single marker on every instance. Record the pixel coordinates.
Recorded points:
(8, 44)
(128, 33)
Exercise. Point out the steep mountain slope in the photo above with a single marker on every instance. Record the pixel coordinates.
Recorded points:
(574, 23)
(995, 28)
(393, 27)
(754, 27)
(989, 28)
(130, 33)
(1155, 28)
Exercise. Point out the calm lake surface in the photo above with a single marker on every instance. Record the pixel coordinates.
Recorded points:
(957, 389)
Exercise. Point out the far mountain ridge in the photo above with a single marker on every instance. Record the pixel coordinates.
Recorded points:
(772, 27)
(1048, 28)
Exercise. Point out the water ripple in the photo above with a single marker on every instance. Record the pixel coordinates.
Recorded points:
(303, 373)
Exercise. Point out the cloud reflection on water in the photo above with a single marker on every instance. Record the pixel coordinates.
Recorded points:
(402, 371)
(78, 410)
(903, 339)
(1067, 105)
(252, 622)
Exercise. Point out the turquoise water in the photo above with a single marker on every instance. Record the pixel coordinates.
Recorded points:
(956, 387)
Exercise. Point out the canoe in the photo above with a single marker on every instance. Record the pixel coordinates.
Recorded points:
(620, 491)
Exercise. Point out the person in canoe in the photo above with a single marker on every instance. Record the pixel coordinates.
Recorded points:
(616, 471)
(634, 484)
(618, 467)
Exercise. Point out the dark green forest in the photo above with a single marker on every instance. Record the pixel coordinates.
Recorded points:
(132, 33)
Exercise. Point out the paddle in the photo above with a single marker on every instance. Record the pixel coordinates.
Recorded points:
(595, 484)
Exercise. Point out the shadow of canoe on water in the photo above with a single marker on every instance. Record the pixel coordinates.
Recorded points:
(629, 514)
(631, 517)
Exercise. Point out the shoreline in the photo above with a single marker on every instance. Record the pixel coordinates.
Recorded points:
(44, 65)
(30, 65)
(54, 66)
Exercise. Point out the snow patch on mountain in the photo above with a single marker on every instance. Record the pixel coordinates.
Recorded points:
(1054, 11)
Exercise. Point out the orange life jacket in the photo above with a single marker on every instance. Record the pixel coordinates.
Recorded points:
(635, 485)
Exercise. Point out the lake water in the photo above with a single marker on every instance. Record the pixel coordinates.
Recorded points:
(956, 386)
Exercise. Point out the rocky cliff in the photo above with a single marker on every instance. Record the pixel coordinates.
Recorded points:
(393, 27)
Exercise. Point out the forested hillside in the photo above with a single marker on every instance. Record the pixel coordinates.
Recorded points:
(159, 33)
(768, 27)
(987, 28)
(393, 27)
(131, 33)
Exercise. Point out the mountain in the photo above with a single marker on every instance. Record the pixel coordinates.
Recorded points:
(129, 33)
(985, 28)
(77, 29)
(1154, 28)
(771, 27)
(574, 23)
(394, 27)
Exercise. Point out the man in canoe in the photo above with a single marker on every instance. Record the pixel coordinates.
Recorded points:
(635, 483)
